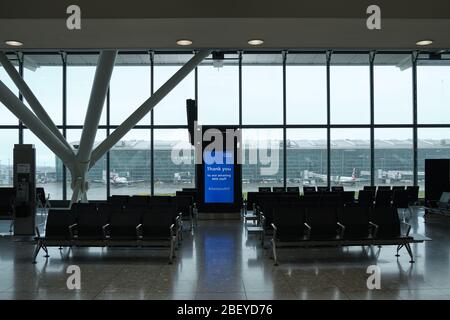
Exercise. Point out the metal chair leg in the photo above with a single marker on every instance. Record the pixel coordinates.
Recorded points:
(408, 248)
(274, 251)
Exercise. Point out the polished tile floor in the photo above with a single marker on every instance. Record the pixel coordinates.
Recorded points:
(222, 261)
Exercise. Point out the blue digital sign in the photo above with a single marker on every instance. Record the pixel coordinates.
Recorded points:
(219, 177)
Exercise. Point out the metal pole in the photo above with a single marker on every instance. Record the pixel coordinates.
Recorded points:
(152, 122)
(372, 118)
(34, 103)
(284, 55)
(328, 57)
(147, 106)
(64, 117)
(415, 141)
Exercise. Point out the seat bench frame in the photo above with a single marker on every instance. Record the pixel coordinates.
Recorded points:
(307, 242)
(140, 242)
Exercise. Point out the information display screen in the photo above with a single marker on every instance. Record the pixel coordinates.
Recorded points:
(219, 177)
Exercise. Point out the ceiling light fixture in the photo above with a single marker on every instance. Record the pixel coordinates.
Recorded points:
(255, 42)
(184, 42)
(14, 43)
(424, 42)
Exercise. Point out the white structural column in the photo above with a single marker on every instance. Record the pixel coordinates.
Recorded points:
(21, 111)
(31, 99)
(147, 106)
(97, 98)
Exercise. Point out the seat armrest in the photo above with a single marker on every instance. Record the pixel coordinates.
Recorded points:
(342, 227)
(375, 227)
(309, 228)
(106, 226)
(71, 228)
(139, 230)
(171, 229)
(274, 230)
(263, 220)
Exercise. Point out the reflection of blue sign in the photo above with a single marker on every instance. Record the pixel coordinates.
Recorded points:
(219, 177)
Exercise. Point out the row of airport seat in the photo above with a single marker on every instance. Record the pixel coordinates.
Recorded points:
(295, 224)
(136, 221)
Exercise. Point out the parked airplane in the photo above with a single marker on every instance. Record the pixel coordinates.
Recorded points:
(339, 180)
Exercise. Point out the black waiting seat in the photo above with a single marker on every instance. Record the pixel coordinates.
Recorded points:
(355, 219)
(323, 189)
(184, 205)
(400, 199)
(311, 199)
(123, 225)
(293, 190)
(279, 189)
(88, 208)
(6, 202)
(395, 188)
(383, 188)
(413, 194)
(383, 198)
(321, 222)
(264, 189)
(289, 223)
(386, 221)
(251, 200)
(42, 199)
(309, 190)
(90, 225)
(118, 199)
(348, 197)
(331, 199)
(60, 224)
(337, 188)
(161, 199)
(373, 189)
(365, 198)
(139, 200)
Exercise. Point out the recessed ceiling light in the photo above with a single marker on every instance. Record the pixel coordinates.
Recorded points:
(255, 42)
(14, 43)
(424, 42)
(184, 42)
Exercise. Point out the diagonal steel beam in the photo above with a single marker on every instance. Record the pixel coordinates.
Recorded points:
(21, 111)
(34, 103)
(97, 98)
(147, 106)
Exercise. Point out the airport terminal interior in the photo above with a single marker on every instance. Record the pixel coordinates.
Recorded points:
(235, 171)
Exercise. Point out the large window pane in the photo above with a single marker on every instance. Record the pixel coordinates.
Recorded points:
(43, 74)
(9, 137)
(129, 88)
(393, 88)
(174, 161)
(262, 89)
(393, 157)
(130, 164)
(350, 158)
(80, 76)
(218, 92)
(262, 158)
(306, 89)
(97, 174)
(48, 167)
(172, 109)
(6, 116)
(433, 143)
(350, 89)
(306, 157)
(433, 93)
